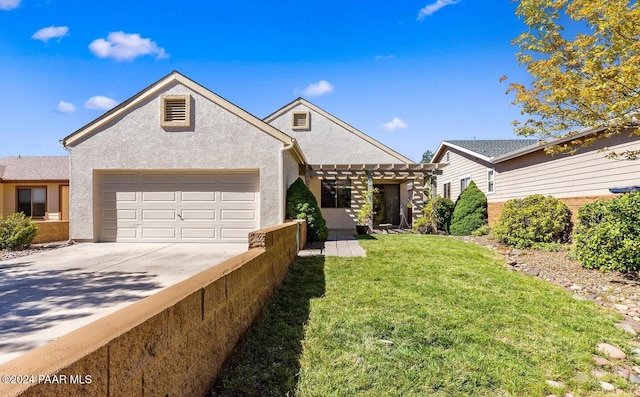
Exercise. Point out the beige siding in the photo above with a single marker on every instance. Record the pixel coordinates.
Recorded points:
(462, 165)
(586, 173)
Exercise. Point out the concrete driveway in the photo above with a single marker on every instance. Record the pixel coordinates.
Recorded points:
(45, 295)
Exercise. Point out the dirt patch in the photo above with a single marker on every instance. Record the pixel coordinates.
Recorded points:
(612, 289)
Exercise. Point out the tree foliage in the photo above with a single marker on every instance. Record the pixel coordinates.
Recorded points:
(583, 56)
(427, 156)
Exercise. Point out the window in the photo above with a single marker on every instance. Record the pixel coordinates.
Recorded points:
(32, 201)
(464, 182)
(447, 190)
(300, 120)
(447, 157)
(335, 194)
(490, 181)
(176, 111)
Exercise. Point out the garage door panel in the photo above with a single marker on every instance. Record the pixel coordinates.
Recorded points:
(159, 196)
(199, 215)
(159, 178)
(238, 196)
(235, 214)
(198, 233)
(158, 215)
(204, 196)
(183, 206)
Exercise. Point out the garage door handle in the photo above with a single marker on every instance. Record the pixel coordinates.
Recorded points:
(180, 216)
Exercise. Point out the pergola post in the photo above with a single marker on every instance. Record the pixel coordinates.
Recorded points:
(369, 198)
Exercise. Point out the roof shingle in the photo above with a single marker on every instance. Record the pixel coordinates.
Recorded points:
(34, 168)
(493, 147)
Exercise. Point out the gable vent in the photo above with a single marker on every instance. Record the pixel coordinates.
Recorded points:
(300, 120)
(176, 111)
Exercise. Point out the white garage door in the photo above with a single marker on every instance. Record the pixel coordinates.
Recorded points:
(179, 206)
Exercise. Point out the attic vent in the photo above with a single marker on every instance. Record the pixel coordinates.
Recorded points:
(300, 120)
(176, 111)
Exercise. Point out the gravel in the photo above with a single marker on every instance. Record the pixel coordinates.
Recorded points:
(32, 249)
(612, 289)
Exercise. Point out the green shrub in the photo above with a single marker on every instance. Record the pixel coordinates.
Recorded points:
(607, 235)
(418, 224)
(481, 231)
(17, 231)
(437, 213)
(470, 211)
(302, 204)
(533, 220)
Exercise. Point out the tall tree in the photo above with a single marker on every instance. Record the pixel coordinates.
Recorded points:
(427, 156)
(587, 75)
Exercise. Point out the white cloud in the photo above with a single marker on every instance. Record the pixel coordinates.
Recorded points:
(100, 103)
(45, 34)
(384, 57)
(66, 107)
(320, 88)
(394, 124)
(126, 46)
(433, 7)
(9, 4)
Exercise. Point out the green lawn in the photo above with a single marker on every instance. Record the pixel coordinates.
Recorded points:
(460, 323)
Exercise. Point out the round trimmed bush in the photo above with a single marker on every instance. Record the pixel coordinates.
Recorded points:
(536, 219)
(607, 235)
(470, 211)
(302, 204)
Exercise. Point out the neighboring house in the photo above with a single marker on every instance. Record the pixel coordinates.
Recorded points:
(38, 187)
(507, 169)
(176, 162)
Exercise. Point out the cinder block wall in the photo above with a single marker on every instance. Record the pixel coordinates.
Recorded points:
(574, 204)
(172, 343)
(52, 231)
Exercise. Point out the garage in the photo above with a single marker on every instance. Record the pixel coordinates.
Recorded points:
(179, 206)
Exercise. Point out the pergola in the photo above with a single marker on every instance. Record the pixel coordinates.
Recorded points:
(415, 173)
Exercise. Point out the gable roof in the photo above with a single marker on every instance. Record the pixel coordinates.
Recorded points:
(34, 168)
(175, 76)
(486, 149)
(301, 101)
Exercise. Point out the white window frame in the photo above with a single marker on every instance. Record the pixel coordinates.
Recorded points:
(445, 190)
(307, 119)
(468, 179)
(164, 122)
(491, 180)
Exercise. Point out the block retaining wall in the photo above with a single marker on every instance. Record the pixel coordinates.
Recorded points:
(49, 231)
(172, 343)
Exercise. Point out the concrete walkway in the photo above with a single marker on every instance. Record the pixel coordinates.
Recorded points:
(340, 243)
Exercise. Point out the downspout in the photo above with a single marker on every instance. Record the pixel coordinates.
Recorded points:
(283, 190)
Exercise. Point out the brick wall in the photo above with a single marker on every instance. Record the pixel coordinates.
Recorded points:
(574, 204)
(172, 343)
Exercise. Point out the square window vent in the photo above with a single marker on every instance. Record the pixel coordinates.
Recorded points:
(300, 120)
(176, 111)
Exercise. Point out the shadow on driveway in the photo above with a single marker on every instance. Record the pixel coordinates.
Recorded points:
(32, 300)
(266, 362)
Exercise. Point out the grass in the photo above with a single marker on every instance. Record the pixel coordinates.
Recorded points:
(460, 324)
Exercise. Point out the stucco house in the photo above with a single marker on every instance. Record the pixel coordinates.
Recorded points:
(38, 186)
(176, 162)
(508, 169)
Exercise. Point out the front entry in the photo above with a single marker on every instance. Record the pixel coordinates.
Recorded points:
(386, 204)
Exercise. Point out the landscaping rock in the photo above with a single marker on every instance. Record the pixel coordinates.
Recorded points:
(626, 328)
(516, 252)
(385, 342)
(598, 373)
(634, 378)
(621, 308)
(611, 351)
(607, 386)
(600, 361)
(622, 372)
(555, 384)
(576, 287)
(533, 272)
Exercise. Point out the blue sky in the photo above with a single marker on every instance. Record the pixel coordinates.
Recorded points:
(408, 73)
